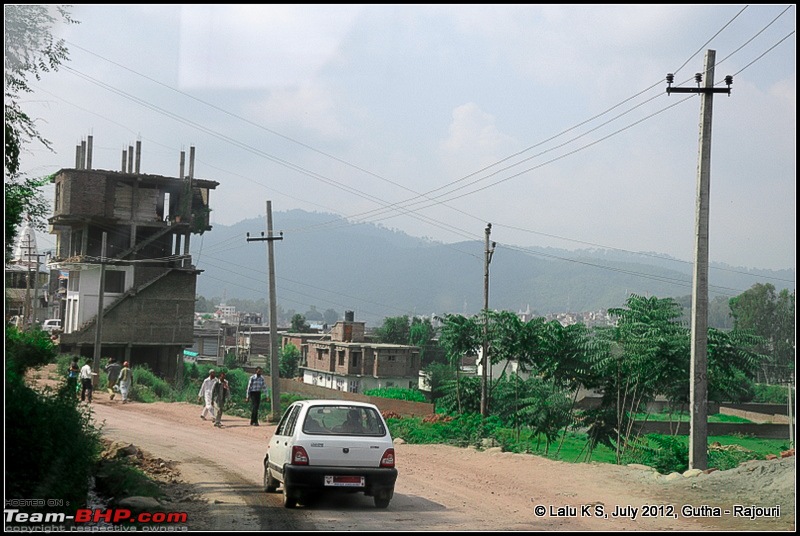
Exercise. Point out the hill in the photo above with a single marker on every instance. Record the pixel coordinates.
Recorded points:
(326, 262)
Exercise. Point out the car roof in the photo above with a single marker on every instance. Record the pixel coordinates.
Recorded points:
(334, 402)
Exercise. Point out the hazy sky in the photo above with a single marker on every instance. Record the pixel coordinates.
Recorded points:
(550, 122)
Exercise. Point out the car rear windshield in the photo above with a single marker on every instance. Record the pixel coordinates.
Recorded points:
(343, 420)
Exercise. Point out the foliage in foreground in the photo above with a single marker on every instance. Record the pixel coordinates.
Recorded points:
(51, 444)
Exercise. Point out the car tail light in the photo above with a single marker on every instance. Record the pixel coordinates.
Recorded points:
(387, 460)
(299, 456)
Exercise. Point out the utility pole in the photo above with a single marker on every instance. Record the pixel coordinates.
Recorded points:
(698, 388)
(274, 371)
(791, 412)
(488, 252)
(98, 332)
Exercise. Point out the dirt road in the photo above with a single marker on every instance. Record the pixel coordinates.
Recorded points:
(440, 488)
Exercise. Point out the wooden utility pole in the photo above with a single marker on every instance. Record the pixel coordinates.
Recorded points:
(485, 361)
(698, 388)
(274, 371)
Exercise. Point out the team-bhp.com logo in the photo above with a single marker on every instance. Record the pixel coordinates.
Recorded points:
(84, 517)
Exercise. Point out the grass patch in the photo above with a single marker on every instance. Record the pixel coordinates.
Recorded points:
(685, 417)
(665, 453)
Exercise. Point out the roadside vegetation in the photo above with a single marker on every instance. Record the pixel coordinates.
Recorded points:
(51, 444)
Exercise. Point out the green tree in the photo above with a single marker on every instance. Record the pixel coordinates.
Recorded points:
(289, 361)
(299, 324)
(460, 336)
(437, 374)
(30, 51)
(422, 333)
(645, 354)
(771, 316)
(395, 330)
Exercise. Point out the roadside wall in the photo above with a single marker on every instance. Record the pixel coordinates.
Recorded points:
(764, 431)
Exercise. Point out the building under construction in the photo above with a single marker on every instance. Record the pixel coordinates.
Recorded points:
(122, 247)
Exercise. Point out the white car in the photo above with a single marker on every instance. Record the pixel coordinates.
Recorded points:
(331, 446)
(52, 324)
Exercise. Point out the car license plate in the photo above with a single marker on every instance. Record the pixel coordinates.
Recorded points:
(344, 480)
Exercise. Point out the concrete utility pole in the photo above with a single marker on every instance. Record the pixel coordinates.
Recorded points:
(274, 372)
(485, 362)
(98, 332)
(698, 389)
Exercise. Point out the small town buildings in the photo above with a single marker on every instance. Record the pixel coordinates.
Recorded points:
(346, 360)
(26, 290)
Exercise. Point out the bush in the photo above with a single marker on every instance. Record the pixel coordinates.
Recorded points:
(772, 394)
(147, 387)
(461, 430)
(666, 454)
(397, 393)
(52, 446)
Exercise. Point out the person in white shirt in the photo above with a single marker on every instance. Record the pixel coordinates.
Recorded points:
(86, 380)
(205, 395)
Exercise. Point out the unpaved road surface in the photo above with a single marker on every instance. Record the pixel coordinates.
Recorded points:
(440, 488)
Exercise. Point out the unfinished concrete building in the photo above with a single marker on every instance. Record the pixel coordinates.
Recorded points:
(122, 238)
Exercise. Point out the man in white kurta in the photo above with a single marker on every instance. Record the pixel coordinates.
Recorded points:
(205, 395)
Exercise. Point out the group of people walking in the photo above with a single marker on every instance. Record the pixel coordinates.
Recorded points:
(215, 392)
(118, 375)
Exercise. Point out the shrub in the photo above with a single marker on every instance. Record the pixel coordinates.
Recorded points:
(397, 393)
(666, 454)
(52, 446)
(771, 394)
(147, 387)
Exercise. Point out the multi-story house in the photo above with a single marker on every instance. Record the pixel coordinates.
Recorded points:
(347, 361)
(122, 238)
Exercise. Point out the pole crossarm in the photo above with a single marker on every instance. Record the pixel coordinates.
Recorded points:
(698, 90)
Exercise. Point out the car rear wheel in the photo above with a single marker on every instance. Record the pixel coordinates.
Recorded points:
(289, 500)
(382, 499)
(270, 484)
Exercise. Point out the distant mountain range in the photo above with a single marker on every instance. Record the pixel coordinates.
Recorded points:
(326, 262)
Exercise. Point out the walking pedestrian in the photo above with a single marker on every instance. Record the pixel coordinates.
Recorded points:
(205, 395)
(220, 394)
(86, 380)
(112, 369)
(73, 373)
(125, 380)
(255, 386)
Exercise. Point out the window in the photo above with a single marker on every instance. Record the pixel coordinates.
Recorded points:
(286, 426)
(76, 243)
(115, 282)
(341, 357)
(354, 357)
(74, 281)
